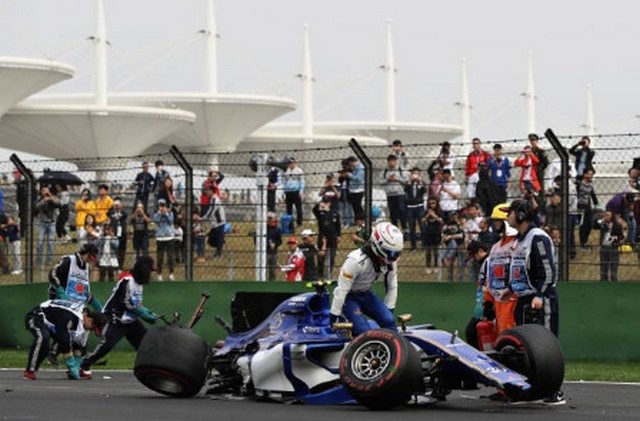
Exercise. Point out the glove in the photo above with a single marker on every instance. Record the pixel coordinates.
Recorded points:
(73, 366)
(97, 305)
(60, 293)
(146, 314)
(478, 310)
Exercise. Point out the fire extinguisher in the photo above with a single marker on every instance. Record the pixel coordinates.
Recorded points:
(486, 330)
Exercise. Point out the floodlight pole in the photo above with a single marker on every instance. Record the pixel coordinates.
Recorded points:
(28, 236)
(261, 217)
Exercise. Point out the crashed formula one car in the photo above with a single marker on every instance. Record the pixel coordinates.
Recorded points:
(293, 354)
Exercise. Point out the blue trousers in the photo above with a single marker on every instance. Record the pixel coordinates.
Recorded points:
(359, 305)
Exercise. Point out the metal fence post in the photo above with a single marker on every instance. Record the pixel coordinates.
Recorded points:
(563, 264)
(28, 236)
(368, 181)
(188, 216)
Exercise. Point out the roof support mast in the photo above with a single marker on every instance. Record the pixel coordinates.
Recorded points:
(465, 107)
(100, 41)
(307, 90)
(211, 35)
(390, 69)
(531, 98)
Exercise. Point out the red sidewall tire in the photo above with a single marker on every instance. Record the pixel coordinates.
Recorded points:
(381, 369)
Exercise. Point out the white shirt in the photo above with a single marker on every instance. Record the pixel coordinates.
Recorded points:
(358, 274)
(448, 202)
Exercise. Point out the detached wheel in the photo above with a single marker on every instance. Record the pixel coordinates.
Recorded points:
(535, 352)
(172, 361)
(381, 369)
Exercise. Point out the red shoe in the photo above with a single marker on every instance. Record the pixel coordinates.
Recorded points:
(85, 374)
(29, 375)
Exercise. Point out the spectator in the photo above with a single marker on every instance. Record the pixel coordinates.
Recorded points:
(500, 168)
(355, 174)
(217, 220)
(90, 232)
(553, 210)
(140, 222)
(62, 219)
(414, 192)
(329, 231)
(4, 252)
(165, 192)
(273, 177)
(330, 192)
(452, 239)
(199, 235)
(401, 154)
(472, 224)
(161, 174)
(294, 189)
(178, 242)
(611, 236)
(584, 156)
(145, 184)
(435, 181)
(47, 207)
(104, 203)
(476, 157)
(212, 182)
(13, 234)
(621, 205)
(486, 235)
(449, 194)
(118, 217)
(445, 159)
(488, 194)
(84, 206)
(164, 218)
(107, 253)
(529, 162)
(346, 208)
(587, 199)
(432, 224)
(394, 180)
(310, 252)
(274, 241)
(294, 268)
(541, 155)
(359, 235)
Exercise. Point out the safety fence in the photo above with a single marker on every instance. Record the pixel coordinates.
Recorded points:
(243, 187)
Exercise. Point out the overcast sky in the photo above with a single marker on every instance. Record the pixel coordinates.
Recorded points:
(155, 47)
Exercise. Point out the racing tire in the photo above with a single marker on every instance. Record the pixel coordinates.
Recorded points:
(381, 369)
(533, 351)
(172, 361)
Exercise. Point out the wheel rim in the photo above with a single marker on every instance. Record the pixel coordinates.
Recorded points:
(371, 360)
(164, 384)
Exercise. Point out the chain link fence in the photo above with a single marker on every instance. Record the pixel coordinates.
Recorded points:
(244, 191)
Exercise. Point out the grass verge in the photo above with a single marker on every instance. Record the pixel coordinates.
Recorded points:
(618, 371)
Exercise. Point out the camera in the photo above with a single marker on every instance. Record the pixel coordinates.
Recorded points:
(582, 143)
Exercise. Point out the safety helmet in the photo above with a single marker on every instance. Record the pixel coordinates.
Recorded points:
(500, 211)
(386, 242)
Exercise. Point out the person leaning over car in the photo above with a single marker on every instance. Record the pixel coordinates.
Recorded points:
(353, 297)
(124, 308)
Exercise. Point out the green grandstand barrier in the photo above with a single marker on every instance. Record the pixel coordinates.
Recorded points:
(597, 320)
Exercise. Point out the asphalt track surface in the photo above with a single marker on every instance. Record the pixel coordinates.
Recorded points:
(117, 395)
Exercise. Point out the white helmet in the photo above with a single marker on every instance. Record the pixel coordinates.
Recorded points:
(386, 242)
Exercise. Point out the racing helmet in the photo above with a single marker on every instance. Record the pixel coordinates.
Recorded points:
(386, 242)
(500, 211)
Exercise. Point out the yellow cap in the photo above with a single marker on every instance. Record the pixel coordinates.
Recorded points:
(500, 211)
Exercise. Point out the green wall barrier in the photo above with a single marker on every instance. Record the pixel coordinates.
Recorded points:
(597, 320)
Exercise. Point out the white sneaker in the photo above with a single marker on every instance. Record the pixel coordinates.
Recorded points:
(171, 277)
(159, 278)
